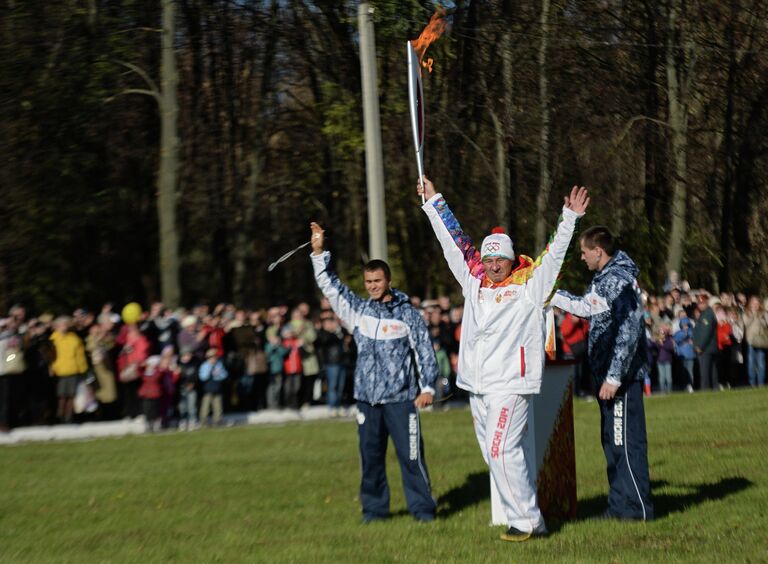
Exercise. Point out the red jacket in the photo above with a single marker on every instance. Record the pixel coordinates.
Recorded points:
(135, 348)
(151, 384)
(292, 362)
(723, 335)
(214, 336)
(574, 330)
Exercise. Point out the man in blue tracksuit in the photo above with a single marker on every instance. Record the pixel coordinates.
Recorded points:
(394, 375)
(618, 361)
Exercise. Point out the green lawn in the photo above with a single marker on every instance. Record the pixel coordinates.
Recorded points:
(288, 494)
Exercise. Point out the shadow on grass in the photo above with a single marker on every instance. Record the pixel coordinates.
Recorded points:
(476, 488)
(666, 502)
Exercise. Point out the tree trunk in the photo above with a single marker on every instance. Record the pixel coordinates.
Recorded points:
(653, 175)
(678, 123)
(502, 171)
(243, 247)
(726, 223)
(169, 163)
(503, 126)
(545, 178)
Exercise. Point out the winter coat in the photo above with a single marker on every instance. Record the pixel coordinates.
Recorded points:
(756, 329)
(135, 349)
(705, 332)
(292, 361)
(151, 383)
(503, 325)
(330, 346)
(617, 344)
(666, 350)
(275, 356)
(212, 376)
(724, 339)
(683, 340)
(188, 374)
(395, 358)
(70, 354)
(575, 333)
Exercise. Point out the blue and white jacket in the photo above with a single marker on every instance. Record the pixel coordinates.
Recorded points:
(617, 344)
(212, 376)
(395, 358)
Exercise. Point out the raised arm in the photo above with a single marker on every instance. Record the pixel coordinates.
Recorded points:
(344, 301)
(548, 264)
(459, 251)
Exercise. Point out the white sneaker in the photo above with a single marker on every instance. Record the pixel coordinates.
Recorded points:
(689, 389)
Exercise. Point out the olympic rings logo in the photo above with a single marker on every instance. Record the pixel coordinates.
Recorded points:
(492, 247)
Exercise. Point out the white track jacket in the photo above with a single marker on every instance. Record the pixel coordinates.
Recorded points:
(503, 330)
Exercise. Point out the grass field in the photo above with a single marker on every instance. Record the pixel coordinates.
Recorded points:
(288, 494)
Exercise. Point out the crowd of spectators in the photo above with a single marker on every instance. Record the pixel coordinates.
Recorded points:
(703, 341)
(183, 368)
(696, 341)
(179, 368)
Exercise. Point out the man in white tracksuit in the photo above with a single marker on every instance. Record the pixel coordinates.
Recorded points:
(501, 352)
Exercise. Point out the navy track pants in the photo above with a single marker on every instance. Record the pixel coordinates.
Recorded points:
(625, 445)
(400, 421)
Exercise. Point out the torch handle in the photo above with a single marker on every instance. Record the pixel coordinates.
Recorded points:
(415, 101)
(420, 166)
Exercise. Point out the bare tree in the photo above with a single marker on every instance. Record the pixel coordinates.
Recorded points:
(545, 176)
(169, 162)
(167, 102)
(680, 62)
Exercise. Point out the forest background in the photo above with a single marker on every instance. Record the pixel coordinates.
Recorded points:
(172, 149)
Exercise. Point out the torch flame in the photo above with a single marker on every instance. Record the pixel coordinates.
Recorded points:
(435, 28)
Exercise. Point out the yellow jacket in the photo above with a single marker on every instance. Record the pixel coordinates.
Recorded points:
(70, 354)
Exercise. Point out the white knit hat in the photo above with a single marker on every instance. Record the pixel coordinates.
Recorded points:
(497, 244)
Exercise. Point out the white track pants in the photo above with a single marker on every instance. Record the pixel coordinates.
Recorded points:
(500, 425)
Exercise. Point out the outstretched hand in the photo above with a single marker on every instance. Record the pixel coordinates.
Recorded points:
(578, 200)
(428, 190)
(318, 238)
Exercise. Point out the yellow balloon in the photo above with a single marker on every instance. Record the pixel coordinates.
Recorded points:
(131, 313)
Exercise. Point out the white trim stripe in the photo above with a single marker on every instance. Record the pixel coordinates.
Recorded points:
(626, 454)
(419, 457)
(521, 514)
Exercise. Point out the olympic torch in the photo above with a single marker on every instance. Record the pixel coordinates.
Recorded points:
(416, 104)
(416, 50)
